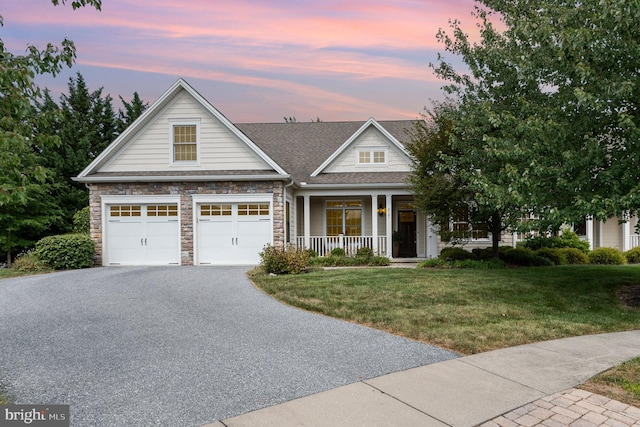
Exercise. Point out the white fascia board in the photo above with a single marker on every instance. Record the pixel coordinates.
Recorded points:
(347, 143)
(324, 191)
(179, 178)
(394, 185)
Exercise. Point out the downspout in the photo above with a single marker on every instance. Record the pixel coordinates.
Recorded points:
(284, 210)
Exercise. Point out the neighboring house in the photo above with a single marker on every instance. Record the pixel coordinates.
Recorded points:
(184, 185)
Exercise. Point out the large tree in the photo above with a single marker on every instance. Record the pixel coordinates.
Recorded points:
(458, 182)
(22, 178)
(553, 90)
(86, 125)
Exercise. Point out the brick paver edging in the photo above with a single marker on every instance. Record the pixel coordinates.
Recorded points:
(572, 407)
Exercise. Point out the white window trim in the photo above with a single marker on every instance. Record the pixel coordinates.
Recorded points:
(361, 207)
(371, 150)
(184, 122)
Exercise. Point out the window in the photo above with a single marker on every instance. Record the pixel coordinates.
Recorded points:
(462, 228)
(372, 157)
(125, 210)
(580, 228)
(344, 217)
(253, 209)
(185, 143)
(215, 210)
(162, 210)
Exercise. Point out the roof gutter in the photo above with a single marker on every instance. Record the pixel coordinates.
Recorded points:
(352, 186)
(178, 178)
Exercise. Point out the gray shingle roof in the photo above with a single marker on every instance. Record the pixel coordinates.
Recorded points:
(300, 148)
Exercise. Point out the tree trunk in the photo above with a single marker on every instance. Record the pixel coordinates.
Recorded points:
(496, 230)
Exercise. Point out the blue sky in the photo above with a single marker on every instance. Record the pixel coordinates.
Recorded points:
(255, 61)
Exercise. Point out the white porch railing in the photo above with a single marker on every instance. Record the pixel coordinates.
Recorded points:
(323, 245)
(634, 240)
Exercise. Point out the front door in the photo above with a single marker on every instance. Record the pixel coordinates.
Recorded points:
(407, 231)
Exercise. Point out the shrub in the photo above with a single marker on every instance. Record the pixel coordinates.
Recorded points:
(608, 256)
(82, 221)
(66, 251)
(556, 255)
(523, 257)
(338, 252)
(284, 260)
(633, 255)
(568, 239)
(456, 254)
(365, 254)
(350, 261)
(28, 262)
(575, 256)
(379, 261)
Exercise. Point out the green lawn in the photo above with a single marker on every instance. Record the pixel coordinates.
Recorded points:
(468, 311)
(6, 273)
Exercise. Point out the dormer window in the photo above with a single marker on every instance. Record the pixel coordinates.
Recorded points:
(185, 142)
(369, 157)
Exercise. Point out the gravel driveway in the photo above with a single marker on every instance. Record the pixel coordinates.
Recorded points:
(177, 346)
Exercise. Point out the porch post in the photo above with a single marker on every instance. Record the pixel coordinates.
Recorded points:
(374, 222)
(626, 232)
(600, 233)
(590, 224)
(389, 224)
(307, 221)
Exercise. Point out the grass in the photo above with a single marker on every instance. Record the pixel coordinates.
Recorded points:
(468, 311)
(471, 311)
(7, 273)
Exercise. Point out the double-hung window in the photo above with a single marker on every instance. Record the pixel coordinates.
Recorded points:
(184, 142)
(344, 217)
(462, 228)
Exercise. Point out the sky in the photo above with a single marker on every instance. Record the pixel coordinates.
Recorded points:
(255, 61)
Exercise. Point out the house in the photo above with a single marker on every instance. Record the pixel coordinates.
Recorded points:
(183, 185)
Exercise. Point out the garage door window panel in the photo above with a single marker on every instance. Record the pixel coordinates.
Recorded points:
(162, 210)
(125, 211)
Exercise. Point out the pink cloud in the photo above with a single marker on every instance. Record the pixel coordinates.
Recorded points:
(295, 48)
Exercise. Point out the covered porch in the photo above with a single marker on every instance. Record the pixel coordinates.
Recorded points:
(386, 222)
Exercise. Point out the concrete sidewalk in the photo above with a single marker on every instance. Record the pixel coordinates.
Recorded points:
(509, 387)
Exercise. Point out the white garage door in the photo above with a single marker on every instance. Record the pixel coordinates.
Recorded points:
(233, 233)
(140, 234)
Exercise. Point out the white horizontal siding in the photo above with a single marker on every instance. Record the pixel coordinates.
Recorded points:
(150, 150)
(372, 139)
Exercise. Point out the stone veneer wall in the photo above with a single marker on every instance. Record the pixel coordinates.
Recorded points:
(185, 190)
